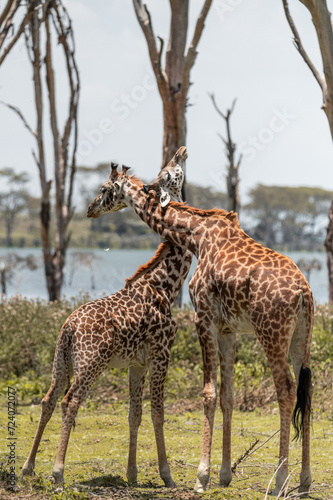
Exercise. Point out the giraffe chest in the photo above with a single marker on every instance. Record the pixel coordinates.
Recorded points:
(226, 293)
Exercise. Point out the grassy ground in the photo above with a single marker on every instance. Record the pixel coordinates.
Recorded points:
(97, 454)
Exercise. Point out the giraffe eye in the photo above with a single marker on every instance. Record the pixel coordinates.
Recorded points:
(103, 190)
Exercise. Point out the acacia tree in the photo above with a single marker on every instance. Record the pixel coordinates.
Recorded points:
(173, 80)
(233, 166)
(321, 18)
(49, 21)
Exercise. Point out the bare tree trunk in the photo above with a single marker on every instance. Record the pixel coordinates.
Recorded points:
(64, 167)
(329, 251)
(232, 167)
(173, 81)
(321, 18)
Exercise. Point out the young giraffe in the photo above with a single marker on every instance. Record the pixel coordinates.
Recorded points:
(238, 286)
(132, 327)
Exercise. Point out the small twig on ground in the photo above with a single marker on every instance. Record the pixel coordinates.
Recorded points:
(250, 451)
(244, 456)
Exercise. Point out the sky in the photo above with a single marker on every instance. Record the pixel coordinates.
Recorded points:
(246, 52)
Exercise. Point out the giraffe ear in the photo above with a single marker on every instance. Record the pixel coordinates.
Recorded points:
(164, 197)
(117, 186)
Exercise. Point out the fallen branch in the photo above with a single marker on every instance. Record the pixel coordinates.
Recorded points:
(250, 451)
(244, 456)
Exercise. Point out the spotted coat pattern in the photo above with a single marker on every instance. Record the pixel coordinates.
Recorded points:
(131, 328)
(238, 286)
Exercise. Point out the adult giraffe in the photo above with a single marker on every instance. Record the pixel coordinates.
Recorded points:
(238, 286)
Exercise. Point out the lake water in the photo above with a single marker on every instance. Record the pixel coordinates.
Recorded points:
(111, 268)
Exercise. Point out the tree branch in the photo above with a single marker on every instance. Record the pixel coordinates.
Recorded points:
(212, 96)
(144, 19)
(298, 44)
(66, 38)
(20, 114)
(20, 30)
(192, 49)
(8, 7)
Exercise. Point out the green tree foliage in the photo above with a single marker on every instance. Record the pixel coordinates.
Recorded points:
(289, 216)
(13, 200)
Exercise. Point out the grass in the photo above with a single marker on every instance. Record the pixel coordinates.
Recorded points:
(97, 454)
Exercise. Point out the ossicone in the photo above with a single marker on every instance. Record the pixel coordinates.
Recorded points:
(114, 168)
(125, 169)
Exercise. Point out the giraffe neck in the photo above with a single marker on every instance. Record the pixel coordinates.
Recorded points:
(179, 227)
(166, 272)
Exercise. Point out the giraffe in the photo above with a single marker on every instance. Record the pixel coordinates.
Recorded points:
(131, 328)
(238, 286)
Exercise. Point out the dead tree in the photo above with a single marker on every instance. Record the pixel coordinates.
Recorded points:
(233, 166)
(12, 262)
(321, 18)
(52, 20)
(173, 80)
(8, 31)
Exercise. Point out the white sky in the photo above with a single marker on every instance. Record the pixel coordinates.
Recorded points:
(246, 51)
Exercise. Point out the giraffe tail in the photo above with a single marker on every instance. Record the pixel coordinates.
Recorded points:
(67, 361)
(303, 402)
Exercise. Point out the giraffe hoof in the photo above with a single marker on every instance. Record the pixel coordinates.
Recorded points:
(303, 492)
(28, 470)
(225, 478)
(58, 476)
(132, 474)
(199, 488)
(202, 478)
(277, 492)
(170, 484)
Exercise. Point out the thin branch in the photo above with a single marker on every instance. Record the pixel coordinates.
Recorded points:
(192, 49)
(20, 114)
(9, 7)
(216, 106)
(20, 30)
(66, 38)
(244, 456)
(222, 138)
(298, 44)
(144, 19)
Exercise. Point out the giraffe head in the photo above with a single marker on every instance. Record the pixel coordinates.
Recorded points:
(111, 197)
(170, 179)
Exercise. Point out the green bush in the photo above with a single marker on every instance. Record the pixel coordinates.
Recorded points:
(28, 333)
(29, 330)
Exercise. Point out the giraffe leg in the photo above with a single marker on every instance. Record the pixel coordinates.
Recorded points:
(207, 337)
(286, 392)
(157, 370)
(300, 355)
(48, 404)
(70, 404)
(227, 345)
(137, 376)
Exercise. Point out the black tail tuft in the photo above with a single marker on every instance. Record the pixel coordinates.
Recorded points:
(303, 402)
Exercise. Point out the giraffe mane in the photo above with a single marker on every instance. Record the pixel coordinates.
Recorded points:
(136, 180)
(154, 261)
(214, 212)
